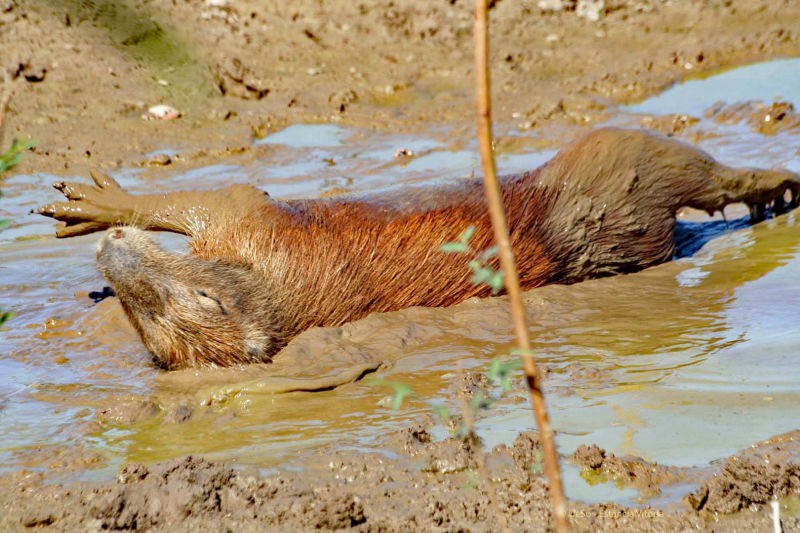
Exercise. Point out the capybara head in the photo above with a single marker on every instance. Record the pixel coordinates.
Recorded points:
(188, 311)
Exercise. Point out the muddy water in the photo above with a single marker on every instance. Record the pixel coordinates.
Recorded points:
(681, 364)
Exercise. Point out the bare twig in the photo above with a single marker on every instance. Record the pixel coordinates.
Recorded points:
(494, 199)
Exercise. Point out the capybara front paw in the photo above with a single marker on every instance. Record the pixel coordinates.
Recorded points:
(88, 208)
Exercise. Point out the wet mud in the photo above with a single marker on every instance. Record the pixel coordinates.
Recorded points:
(646, 477)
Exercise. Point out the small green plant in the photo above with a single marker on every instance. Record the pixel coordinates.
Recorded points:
(481, 271)
(13, 155)
(500, 369)
(8, 160)
(400, 391)
(500, 372)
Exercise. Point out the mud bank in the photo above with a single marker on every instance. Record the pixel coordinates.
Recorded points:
(237, 70)
(424, 485)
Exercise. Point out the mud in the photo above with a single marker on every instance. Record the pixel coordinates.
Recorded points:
(762, 118)
(646, 477)
(765, 471)
(426, 489)
(433, 486)
(127, 411)
(241, 69)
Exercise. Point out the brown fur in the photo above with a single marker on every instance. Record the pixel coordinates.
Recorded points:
(604, 205)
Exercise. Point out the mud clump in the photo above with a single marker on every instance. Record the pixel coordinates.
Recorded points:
(527, 452)
(762, 118)
(170, 493)
(669, 125)
(451, 455)
(127, 412)
(647, 477)
(743, 482)
(415, 438)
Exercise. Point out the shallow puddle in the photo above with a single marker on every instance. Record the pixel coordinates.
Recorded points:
(767, 81)
(681, 364)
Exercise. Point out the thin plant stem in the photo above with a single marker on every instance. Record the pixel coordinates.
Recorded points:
(5, 96)
(494, 200)
(480, 459)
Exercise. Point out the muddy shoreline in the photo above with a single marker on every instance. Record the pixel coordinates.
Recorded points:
(416, 482)
(83, 75)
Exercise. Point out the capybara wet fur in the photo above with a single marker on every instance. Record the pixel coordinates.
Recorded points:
(262, 270)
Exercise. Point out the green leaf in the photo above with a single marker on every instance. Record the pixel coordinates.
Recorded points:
(454, 247)
(400, 390)
(479, 401)
(462, 431)
(489, 253)
(4, 223)
(537, 465)
(500, 370)
(496, 281)
(482, 275)
(466, 235)
(472, 481)
(4, 317)
(13, 155)
(441, 411)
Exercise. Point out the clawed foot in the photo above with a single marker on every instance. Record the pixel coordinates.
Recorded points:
(762, 191)
(785, 199)
(88, 209)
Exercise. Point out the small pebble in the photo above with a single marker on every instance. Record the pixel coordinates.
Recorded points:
(162, 112)
(160, 160)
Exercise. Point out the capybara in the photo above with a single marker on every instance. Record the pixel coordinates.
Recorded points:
(262, 270)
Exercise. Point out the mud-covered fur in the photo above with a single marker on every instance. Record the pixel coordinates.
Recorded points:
(604, 205)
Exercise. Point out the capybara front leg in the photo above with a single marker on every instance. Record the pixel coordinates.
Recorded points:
(95, 208)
